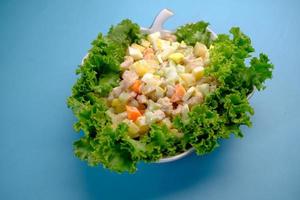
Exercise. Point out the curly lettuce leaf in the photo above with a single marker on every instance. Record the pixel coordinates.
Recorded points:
(99, 73)
(194, 32)
(160, 142)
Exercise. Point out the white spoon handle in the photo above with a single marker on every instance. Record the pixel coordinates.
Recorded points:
(158, 22)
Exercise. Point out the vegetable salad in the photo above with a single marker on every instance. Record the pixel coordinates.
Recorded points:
(161, 79)
(145, 97)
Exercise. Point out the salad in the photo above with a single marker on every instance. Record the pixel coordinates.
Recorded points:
(143, 97)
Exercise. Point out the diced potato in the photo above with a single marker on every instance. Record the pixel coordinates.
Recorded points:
(188, 93)
(124, 97)
(139, 47)
(159, 92)
(192, 63)
(149, 117)
(180, 69)
(141, 123)
(135, 53)
(166, 53)
(176, 57)
(152, 117)
(159, 58)
(185, 111)
(171, 74)
(198, 72)
(153, 37)
(153, 106)
(151, 80)
(182, 44)
(133, 129)
(148, 77)
(200, 50)
(189, 79)
(147, 88)
(142, 67)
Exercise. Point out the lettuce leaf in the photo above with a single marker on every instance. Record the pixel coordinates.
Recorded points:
(99, 73)
(194, 32)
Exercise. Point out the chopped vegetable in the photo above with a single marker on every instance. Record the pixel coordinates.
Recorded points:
(179, 93)
(176, 57)
(133, 113)
(136, 87)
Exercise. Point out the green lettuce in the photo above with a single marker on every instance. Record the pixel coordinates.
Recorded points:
(194, 32)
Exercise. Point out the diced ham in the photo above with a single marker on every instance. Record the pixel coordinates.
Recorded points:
(166, 104)
(159, 114)
(170, 91)
(129, 77)
(127, 62)
(142, 99)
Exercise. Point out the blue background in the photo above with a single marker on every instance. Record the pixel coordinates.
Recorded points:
(42, 42)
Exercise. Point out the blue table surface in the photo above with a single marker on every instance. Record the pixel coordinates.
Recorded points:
(42, 43)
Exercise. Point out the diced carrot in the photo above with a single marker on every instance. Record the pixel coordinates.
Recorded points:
(133, 113)
(178, 94)
(136, 87)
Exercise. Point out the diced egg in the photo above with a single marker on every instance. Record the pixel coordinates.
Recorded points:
(188, 78)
